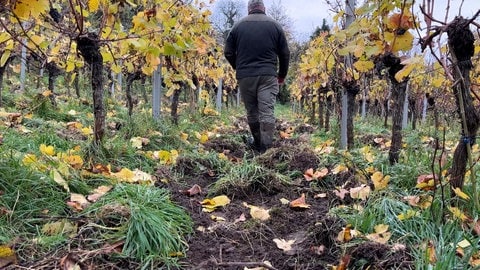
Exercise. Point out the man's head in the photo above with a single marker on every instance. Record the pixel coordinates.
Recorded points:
(256, 5)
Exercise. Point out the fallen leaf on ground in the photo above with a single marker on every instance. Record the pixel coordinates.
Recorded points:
(476, 227)
(340, 169)
(320, 195)
(381, 234)
(408, 214)
(284, 201)
(347, 234)
(241, 218)
(209, 205)
(258, 212)
(299, 202)
(69, 262)
(285, 245)
(194, 190)
(58, 178)
(318, 250)
(310, 175)
(341, 193)
(98, 193)
(432, 257)
(63, 227)
(457, 213)
(380, 181)
(217, 218)
(425, 182)
(362, 192)
(7, 256)
(344, 261)
(461, 194)
(78, 201)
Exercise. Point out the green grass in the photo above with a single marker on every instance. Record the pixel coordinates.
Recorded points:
(26, 197)
(155, 228)
(248, 177)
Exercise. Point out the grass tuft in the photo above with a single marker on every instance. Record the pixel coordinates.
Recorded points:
(155, 229)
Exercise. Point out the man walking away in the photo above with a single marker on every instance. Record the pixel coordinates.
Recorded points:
(255, 47)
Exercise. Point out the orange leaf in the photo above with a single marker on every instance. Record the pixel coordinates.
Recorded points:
(344, 261)
(285, 135)
(300, 202)
(308, 174)
(432, 257)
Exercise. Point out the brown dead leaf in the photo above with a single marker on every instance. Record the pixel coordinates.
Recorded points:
(344, 261)
(362, 192)
(70, 262)
(346, 234)
(341, 193)
(284, 244)
(194, 190)
(78, 202)
(241, 218)
(311, 175)
(432, 257)
(98, 193)
(318, 250)
(476, 227)
(285, 135)
(299, 202)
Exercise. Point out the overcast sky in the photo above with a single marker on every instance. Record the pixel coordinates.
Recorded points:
(308, 14)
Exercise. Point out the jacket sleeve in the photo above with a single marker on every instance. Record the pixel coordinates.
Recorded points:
(283, 55)
(230, 51)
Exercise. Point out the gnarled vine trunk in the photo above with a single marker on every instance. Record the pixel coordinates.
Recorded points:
(131, 77)
(89, 47)
(461, 45)
(399, 90)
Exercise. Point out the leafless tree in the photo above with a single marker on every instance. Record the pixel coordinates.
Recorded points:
(277, 12)
(226, 13)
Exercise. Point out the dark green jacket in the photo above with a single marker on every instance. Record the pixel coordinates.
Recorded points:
(255, 45)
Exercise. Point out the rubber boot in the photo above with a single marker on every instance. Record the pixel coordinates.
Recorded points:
(256, 142)
(267, 130)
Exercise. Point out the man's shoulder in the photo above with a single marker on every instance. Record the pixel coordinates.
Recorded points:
(257, 17)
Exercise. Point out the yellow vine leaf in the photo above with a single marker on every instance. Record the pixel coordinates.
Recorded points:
(25, 9)
(209, 205)
(461, 194)
(29, 159)
(364, 65)
(5, 251)
(62, 227)
(4, 58)
(409, 65)
(458, 213)
(340, 168)
(380, 181)
(407, 215)
(381, 235)
(7, 256)
(47, 150)
(58, 178)
(93, 5)
(399, 42)
(257, 212)
(362, 192)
